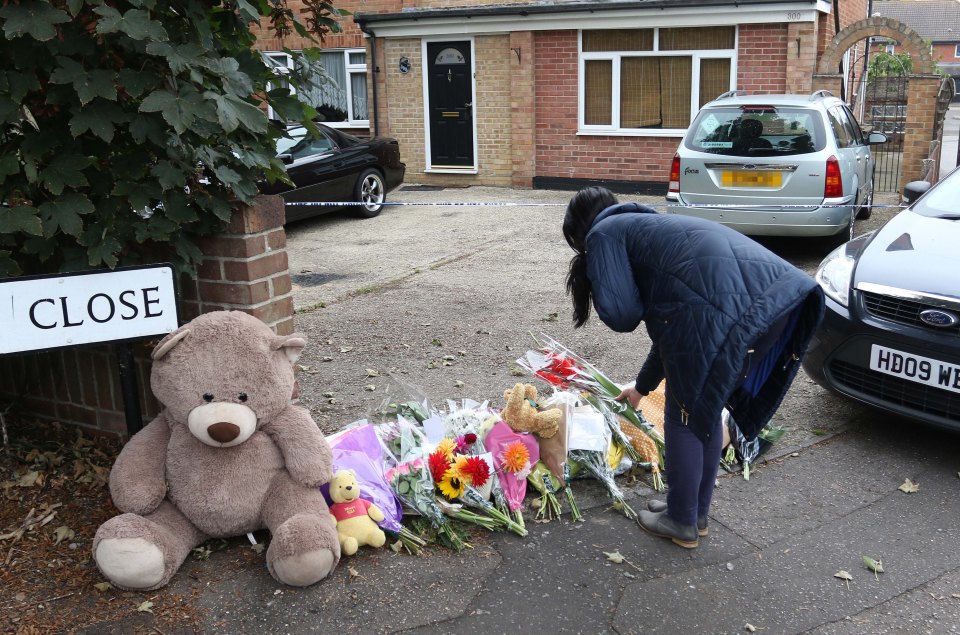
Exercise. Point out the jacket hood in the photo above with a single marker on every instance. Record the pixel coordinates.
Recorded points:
(622, 208)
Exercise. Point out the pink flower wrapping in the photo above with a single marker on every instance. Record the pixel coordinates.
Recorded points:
(500, 438)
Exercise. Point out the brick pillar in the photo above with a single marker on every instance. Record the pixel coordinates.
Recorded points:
(522, 110)
(831, 82)
(921, 114)
(245, 268)
(801, 57)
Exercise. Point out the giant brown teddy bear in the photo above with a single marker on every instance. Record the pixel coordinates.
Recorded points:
(229, 454)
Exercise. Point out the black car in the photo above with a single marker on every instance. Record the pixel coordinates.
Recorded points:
(891, 334)
(336, 167)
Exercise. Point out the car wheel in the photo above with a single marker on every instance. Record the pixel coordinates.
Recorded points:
(370, 191)
(866, 209)
(846, 234)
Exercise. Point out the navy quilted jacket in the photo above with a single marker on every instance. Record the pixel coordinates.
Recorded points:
(706, 293)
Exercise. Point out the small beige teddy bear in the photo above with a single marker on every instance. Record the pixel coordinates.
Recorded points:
(522, 415)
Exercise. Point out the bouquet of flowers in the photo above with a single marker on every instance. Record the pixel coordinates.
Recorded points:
(553, 451)
(589, 444)
(561, 367)
(547, 484)
(357, 448)
(412, 483)
(514, 455)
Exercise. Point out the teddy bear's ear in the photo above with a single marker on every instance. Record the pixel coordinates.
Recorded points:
(291, 345)
(167, 343)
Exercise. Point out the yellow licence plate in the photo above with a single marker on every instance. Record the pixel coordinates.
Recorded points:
(751, 179)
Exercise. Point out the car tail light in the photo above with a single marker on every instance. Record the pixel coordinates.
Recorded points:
(833, 183)
(675, 175)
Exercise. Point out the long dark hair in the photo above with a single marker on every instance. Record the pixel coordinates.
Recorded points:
(581, 211)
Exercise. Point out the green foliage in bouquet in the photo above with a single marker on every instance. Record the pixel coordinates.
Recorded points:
(128, 129)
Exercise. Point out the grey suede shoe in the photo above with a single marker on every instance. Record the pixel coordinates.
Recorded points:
(661, 506)
(659, 524)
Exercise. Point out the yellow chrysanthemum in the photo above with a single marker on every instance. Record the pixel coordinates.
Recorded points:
(460, 462)
(452, 485)
(448, 447)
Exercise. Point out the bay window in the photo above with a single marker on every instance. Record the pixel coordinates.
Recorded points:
(341, 97)
(652, 79)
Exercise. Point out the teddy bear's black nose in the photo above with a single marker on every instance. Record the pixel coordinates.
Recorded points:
(223, 432)
(348, 487)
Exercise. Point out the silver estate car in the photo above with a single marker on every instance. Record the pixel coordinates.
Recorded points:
(746, 156)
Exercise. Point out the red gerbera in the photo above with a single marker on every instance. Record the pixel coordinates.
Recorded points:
(476, 469)
(439, 463)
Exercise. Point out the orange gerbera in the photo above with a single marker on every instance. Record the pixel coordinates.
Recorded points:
(515, 457)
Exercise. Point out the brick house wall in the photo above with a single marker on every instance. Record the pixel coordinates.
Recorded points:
(561, 153)
(245, 269)
(530, 104)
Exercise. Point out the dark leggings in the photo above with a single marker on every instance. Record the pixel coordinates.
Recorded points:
(692, 465)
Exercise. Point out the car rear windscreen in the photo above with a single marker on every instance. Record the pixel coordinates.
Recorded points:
(759, 130)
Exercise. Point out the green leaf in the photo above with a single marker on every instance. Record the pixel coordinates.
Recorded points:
(181, 57)
(168, 174)
(64, 214)
(9, 164)
(104, 252)
(66, 170)
(20, 219)
(135, 23)
(135, 82)
(874, 565)
(36, 19)
(88, 84)
(178, 110)
(233, 111)
(99, 118)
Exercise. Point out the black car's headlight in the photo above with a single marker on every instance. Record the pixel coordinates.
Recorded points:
(836, 271)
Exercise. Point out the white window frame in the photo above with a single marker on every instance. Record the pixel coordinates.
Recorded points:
(615, 58)
(285, 62)
(956, 50)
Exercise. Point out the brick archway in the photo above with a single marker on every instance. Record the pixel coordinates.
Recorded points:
(922, 94)
(895, 30)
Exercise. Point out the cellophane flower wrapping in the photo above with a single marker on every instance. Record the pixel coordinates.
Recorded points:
(514, 483)
(553, 451)
(561, 367)
(589, 445)
(357, 448)
(408, 475)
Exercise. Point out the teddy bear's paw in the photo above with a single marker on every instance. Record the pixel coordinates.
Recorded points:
(304, 569)
(130, 563)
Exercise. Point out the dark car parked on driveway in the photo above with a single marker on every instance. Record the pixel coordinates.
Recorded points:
(336, 167)
(891, 334)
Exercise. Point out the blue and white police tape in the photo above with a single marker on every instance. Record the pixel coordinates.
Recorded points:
(760, 208)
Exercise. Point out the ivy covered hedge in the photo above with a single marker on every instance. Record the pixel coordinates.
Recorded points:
(129, 128)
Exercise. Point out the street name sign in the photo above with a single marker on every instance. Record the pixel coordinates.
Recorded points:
(46, 312)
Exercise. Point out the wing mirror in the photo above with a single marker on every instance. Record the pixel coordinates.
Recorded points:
(286, 157)
(914, 190)
(876, 137)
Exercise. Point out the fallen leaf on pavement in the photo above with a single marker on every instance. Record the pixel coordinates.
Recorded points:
(874, 565)
(369, 387)
(145, 607)
(614, 557)
(346, 349)
(457, 383)
(103, 586)
(845, 576)
(372, 373)
(909, 487)
(750, 628)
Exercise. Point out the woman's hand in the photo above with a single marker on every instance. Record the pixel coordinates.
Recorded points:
(631, 395)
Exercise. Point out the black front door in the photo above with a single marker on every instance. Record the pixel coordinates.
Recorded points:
(450, 88)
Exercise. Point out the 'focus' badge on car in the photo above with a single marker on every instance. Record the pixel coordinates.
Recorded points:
(936, 317)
